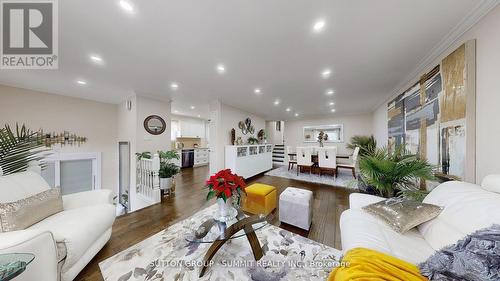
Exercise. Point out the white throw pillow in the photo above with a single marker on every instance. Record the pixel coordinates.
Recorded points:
(491, 183)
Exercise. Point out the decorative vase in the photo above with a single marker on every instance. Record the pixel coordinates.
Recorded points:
(226, 211)
(165, 183)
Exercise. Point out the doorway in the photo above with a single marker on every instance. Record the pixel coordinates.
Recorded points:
(124, 175)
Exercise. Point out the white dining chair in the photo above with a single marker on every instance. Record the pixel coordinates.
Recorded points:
(327, 160)
(304, 159)
(351, 164)
(292, 160)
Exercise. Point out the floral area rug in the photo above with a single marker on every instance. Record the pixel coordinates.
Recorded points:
(168, 256)
(344, 178)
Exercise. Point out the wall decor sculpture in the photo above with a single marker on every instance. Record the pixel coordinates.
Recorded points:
(64, 138)
(246, 126)
(435, 118)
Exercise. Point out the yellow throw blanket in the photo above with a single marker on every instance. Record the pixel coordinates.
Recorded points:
(365, 264)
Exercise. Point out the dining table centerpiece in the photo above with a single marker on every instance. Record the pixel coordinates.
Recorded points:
(228, 188)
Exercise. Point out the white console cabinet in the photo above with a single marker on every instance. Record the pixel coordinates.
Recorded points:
(200, 157)
(249, 160)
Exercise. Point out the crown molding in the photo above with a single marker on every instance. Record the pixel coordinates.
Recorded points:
(472, 18)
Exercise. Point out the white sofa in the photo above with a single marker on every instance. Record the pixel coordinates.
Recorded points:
(64, 243)
(467, 208)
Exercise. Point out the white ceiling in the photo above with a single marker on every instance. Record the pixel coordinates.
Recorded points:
(371, 46)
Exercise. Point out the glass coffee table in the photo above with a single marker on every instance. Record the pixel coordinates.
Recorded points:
(218, 232)
(12, 265)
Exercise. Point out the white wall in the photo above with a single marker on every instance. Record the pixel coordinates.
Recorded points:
(487, 92)
(230, 118)
(131, 129)
(146, 141)
(54, 113)
(353, 125)
(273, 136)
(380, 129)
(223, 118)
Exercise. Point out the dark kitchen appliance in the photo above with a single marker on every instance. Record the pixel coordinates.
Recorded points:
(187, 158)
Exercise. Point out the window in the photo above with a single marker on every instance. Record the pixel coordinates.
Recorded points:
(174, 133)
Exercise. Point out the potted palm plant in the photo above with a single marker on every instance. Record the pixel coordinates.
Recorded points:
(396, 172)
(367, 145)
(167, 168)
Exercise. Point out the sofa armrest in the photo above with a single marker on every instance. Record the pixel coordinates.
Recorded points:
(87, 198)
(41, 244)
(359, 200)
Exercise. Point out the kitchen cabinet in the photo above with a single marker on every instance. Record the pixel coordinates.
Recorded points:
(192, 128)
(200, 157)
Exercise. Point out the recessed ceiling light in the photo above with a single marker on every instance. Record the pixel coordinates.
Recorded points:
(288, 109)
(96, 59)
(257, 91)
(199, 116)
(276, 102)
(126, 6)
(81, 82)
(326, 73)
(192, 107)
(332, 110)
(319, 25)
(331, 103)
(175, 111)
(296, 114)
(221, 68)
(330, 92)
(174, 86)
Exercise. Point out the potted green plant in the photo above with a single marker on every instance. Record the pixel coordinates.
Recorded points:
(167, 168)
(253, 140)
(367, 145)
(396, 172)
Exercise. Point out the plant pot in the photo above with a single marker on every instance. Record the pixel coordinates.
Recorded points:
(364, 188)
(226, 211)
(165, 183)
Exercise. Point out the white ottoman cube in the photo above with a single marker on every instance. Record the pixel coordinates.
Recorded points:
(296, 207)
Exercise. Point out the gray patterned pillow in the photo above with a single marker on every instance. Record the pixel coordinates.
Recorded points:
(23, 213)
(475, 257)
(403, 214)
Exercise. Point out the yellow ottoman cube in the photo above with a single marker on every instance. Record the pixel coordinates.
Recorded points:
(260, 199)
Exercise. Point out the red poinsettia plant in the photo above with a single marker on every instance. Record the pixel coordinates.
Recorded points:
(224, 184)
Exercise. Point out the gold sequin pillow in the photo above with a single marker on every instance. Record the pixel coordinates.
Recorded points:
(23, 213)
(403, 214)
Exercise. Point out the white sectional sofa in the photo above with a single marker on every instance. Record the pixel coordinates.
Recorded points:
(65, 242)
(467, 208)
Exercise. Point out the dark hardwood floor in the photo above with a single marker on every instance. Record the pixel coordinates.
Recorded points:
(329, 202)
